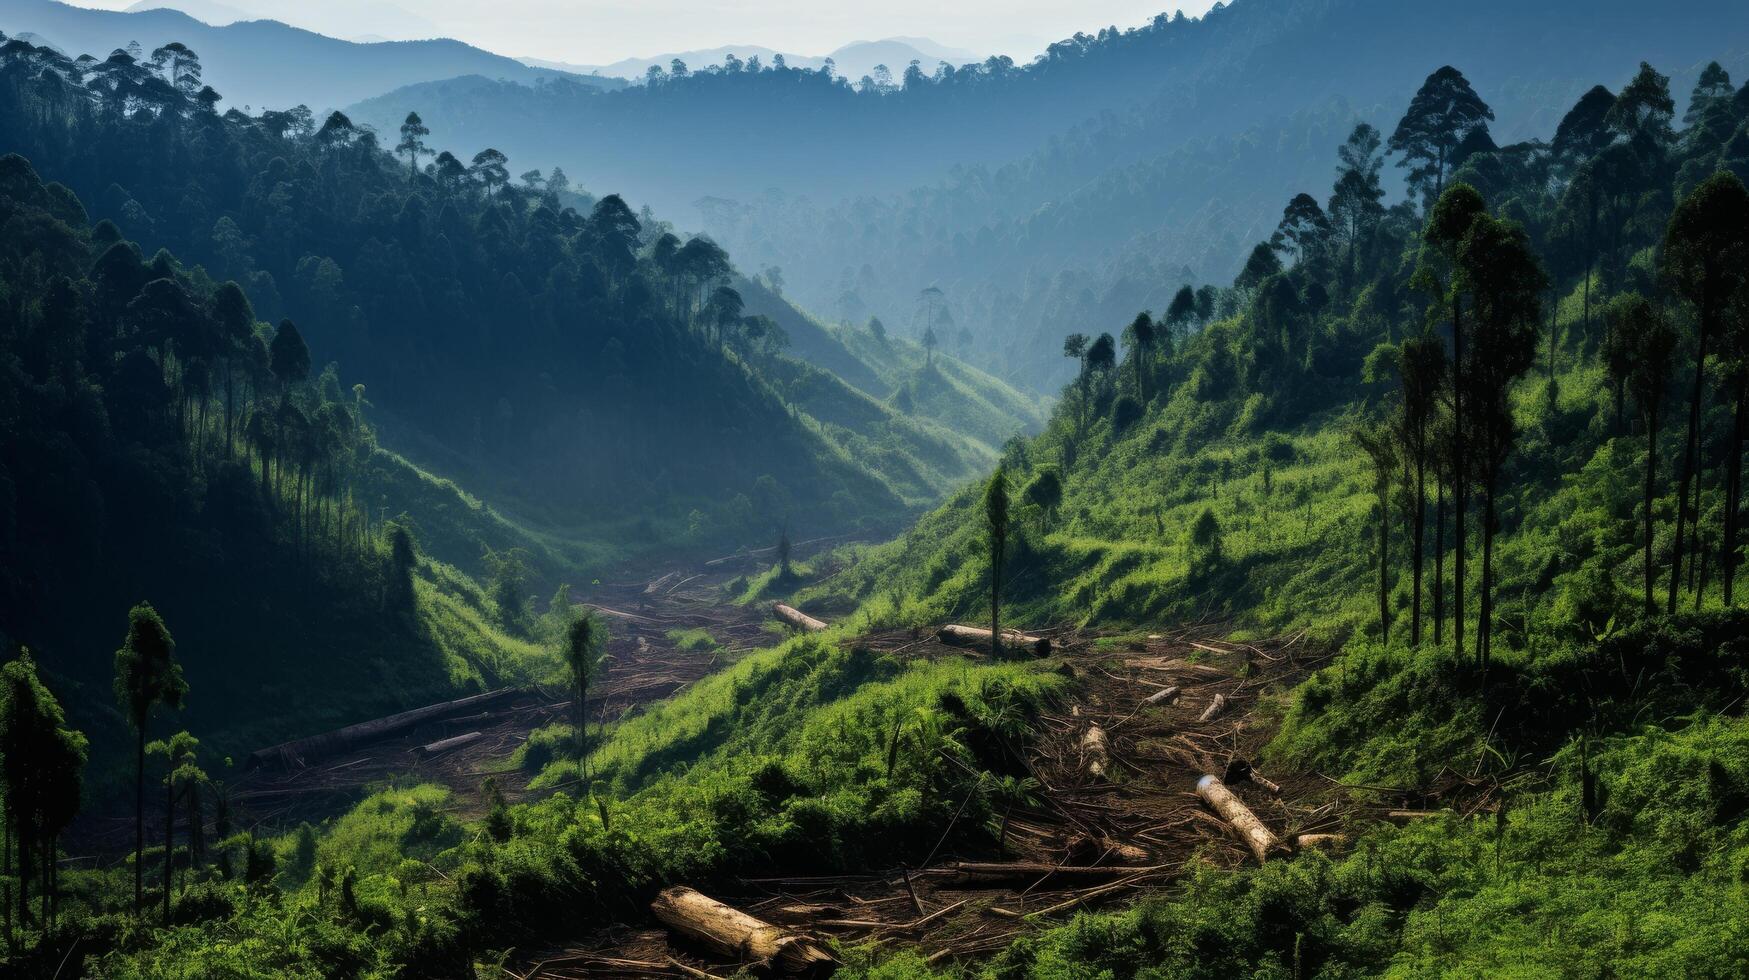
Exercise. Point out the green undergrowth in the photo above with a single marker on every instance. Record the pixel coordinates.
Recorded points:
(1618, 845)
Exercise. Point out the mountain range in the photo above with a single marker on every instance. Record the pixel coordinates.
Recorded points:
(852, 61)
(266, 63)
(1095, 180)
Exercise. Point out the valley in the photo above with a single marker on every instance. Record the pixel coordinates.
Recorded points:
(1246, 494)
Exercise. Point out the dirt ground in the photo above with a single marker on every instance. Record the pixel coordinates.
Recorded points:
(1092, 840)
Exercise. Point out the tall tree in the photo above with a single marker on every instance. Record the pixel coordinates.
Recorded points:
(146, 676)
(1379, 444)
(583, 655)
(1705, 258)
(996, 518)
(1141, 337)
(1182, 313)
(41, 761)
(180, 67)
(1422, 368)
(1500, 272)
(1355, 200)
(178, 752)
(1302, 229)
(491, 168)
(412, 145)
(1584, 132)
(1646, 343)
(1444, 114)
(1643, 112)
(1457, 209)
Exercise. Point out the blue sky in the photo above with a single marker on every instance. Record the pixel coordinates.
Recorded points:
(600, 31)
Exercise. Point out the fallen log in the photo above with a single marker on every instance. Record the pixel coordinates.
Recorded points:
(1096, 751)
(1215, 707)
(1405, 816)
(1163, 694)
(730, 932)
(965, 636)
(1237, 815)
(300, 752)
(1307, 842)
(795, 617)
(445, 744)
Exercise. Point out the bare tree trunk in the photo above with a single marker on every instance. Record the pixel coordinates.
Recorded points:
(1485, 626)
(1460, 478)
(139, 819)
(1689, 448)
(1651, 477)
(1734, 491)
(1416, 547)
(1439, 563)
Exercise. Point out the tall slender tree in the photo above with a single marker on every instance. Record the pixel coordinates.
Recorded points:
(1444, 114)
(1422, 368)
(1504, 280)
(1376, 440)
(1647, 345)
(583, 656)
(996, 520)
(412, 145)
(146, 676)
(41, 761)
(1457, 209)
(1705, 258)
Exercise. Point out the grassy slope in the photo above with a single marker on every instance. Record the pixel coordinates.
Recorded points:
(1549, 888)
(957, 396)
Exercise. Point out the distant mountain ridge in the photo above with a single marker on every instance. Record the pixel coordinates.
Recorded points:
(353, 20)
(853, 60)
(264, 62)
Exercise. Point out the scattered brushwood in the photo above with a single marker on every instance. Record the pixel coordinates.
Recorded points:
(735, 934)
(955, 634)
(798, 619)
(1081, 840)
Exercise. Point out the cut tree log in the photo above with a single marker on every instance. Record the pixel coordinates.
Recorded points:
(795, 617)
(445, 744)
(731, 932)
(965, 636)
(1096, 752)
(1163, 694)
(1215, 707)
(1405, 816)
(1237, 815)
(1307, 842)
(300, 752)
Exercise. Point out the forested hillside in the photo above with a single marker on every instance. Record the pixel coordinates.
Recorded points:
(264, 64)
(160, 441)
(554, 362)
(1120, 164)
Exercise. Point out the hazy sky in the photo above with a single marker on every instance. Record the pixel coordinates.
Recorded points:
(601, 31)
